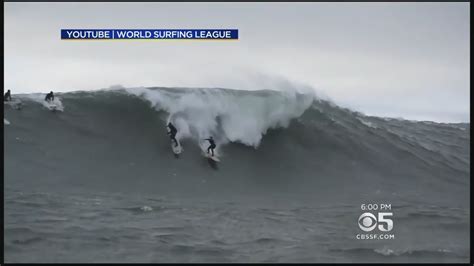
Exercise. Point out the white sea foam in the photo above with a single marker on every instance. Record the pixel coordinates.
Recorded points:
(227, 115)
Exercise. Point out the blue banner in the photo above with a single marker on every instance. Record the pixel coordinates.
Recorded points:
(149, 34)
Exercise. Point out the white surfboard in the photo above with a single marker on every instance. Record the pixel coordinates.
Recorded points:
(176, 149)
(6, 122)
(214, 158)
(52, 106)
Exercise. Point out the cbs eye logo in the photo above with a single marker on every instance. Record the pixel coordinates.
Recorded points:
(368, 221)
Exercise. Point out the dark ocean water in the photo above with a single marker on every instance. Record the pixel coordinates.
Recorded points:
(98, 182)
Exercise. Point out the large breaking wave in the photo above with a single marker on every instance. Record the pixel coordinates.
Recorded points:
(271, 142)
(231, 116)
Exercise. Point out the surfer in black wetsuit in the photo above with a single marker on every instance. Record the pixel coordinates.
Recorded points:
(172, 133)
(7, 97)
(212, 146)
(49, 97)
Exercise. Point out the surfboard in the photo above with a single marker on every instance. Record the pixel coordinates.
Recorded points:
(6, 122)
(209, 156)
(52, 106)
(176, 149)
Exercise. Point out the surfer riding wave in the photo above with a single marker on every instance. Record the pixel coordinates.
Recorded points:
(172, 133)
(212, 146)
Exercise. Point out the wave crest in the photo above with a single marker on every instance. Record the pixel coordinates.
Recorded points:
(229, 116)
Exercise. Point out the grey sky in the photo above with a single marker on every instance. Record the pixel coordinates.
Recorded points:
(390, 59)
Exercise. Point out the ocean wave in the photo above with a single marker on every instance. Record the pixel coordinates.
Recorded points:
(264, 136)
